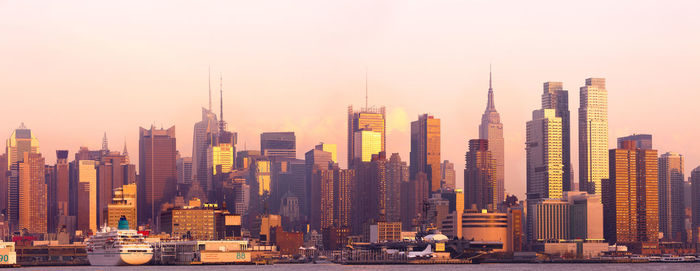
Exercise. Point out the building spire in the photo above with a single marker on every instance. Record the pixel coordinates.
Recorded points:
(366, 89)
(222, 123)
(105, 147)
(209, 88)
(491, 104)
(125, 153)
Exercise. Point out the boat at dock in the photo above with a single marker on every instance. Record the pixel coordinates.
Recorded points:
(121, 246)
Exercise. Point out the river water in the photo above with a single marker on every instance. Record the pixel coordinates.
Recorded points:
(337, 267)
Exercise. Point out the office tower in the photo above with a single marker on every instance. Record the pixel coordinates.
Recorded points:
(368, 119)
(548, 219)
(593, 135)
(62, 185)
(491, 129)
(480, 184)
(695, 204)
(332, 148)
(322, 199)
(366, 143)
(425, 149)
(123, 204)
(21, 141)
(448, 175)
(221, 157)
(4, 172)
(87, 196)
(643, 141)
(369, 195)
(278, 145)
(288, 175)
(184, 167)
(157, 172)
(544, 155)
(630, 196)
(586, 215)
(315, 160)
(32, 194)
(396, 176)
(555, 97)
(343, 188)
(671, 206)
(113, 171)
(205, 133)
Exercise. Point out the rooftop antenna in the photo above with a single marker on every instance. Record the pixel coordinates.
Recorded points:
(222, 123)
(366, 89)
(209, 88)
(104, 142)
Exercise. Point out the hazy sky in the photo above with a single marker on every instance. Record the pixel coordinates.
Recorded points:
(71, 70)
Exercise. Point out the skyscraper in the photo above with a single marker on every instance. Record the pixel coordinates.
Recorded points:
(332, 148)
(123, 204)
(113, 171)
(184, 170)
(555, 97)
(276, 145)
(32, 194)
(671, 207)
(593, 135)
(544, 155)
(643, 141)
(695, 204)
(425, 149)
(62, 185)
(87, 196)
(396, 178)
(448, 175)
(491, 129)
(4, 172)
(366, 143)
(480, 184)
(630, 196)
(368, 119)
(315, 160)
(157, 170)
(20, 142)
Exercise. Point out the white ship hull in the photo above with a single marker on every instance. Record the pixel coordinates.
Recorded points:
(113, 258)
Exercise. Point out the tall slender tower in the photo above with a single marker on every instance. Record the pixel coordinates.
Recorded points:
(491, 129)
(544, 155)
(425, 149)
(555, 97)
(158, 174)
(671, 207)
(593, 135)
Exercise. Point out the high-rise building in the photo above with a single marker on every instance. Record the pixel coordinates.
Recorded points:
(368, 119)
(4, 174)
(62, 185)
(123, 204)
(396, 178)
(367, 143)
(343, 188)
(448, 175)
(630, 196)
(671, 206)
(425, 149)
(491, 129)
(278, 145)
(184, 167)
(87, 196)
(480, 184)
(157, 171)
(113, 171)
(370, 194)
(205, 133)
(555, 97)
(593, 135)
(20, 142)
(544, 155)
(315, 160)
(643, 141)
(695, 204)
(548, 219)
(332, 148)
(586, 215)
(32, 194)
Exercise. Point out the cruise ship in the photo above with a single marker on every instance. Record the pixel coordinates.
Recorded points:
(120, 246)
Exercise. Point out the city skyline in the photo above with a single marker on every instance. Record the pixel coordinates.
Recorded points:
(136, 91)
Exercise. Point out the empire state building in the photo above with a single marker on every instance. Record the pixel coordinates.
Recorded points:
(491, 129)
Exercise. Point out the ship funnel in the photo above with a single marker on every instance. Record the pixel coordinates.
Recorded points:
(123, 223)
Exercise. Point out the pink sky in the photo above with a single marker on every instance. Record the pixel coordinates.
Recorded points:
(71, 70)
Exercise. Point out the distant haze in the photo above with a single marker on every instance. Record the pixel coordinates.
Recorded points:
(71, 70)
